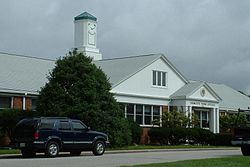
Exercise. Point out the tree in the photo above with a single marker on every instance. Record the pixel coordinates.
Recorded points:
(78, 89)
(228, 121)
(174, 119)
(10, 117)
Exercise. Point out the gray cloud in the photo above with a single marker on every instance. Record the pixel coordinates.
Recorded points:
(206, 40)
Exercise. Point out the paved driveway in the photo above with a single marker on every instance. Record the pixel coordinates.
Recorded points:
(114, 159)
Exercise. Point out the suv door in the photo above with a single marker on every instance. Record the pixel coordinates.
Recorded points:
(81, 136)
(66, 134)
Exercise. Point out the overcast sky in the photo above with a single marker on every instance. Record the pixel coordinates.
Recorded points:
(206, 40)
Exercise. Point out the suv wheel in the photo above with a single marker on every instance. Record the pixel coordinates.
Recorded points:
(28, 153)
(99, 148)
(245, 149)
(75, 153)
(52, 149)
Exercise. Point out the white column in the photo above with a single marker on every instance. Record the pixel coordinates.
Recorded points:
(161, 116)
(143, 114)
(24, 103)
(125, 110)
(12, 102)
(213, 121)
(218, 121)
(190, 113)
(135, 112)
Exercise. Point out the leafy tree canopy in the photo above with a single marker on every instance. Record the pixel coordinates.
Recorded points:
(228, 121)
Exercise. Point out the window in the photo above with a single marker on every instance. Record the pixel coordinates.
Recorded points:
(156, 112)
(5, 102)
(47, 124)
(78, 126)
(139, 114)
(203, 118)
(148, 114)
(142, 114)
(130, 111)
(64, 125)
(33, 104)
(154, 77)
(159, 78)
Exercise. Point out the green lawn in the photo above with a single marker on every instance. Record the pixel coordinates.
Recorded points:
(238, 161)
(147, 147)
(7, 151)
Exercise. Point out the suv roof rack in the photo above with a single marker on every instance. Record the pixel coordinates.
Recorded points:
(55, 117)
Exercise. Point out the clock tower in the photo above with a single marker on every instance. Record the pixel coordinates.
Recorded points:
(86, 35)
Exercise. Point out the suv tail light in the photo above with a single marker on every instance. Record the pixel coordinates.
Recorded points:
(36, 135)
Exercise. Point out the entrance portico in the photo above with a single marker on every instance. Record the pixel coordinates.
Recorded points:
(199, 100)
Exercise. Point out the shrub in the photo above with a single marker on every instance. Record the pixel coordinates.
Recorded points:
(222, 139)
(10, 117)
(159, 135)
(136, 131)
(176, 136)
(119, 132)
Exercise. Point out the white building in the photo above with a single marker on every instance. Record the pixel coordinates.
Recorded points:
(148, 85)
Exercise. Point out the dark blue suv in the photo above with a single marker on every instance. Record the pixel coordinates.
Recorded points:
(54, 134)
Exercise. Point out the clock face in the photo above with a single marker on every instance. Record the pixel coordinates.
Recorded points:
(91, 33)
(203, 92)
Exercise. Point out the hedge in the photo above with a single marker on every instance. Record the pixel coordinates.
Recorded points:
(176, 136)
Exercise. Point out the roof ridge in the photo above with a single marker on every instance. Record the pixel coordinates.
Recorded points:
(19, 55)
(117, 58)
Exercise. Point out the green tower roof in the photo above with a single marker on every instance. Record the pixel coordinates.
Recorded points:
(85, 15)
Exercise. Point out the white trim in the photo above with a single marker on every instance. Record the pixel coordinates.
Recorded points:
(38, 142)
(140, 95)
(83, 142)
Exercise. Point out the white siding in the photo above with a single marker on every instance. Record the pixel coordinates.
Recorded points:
(208, 95)
(140, 84)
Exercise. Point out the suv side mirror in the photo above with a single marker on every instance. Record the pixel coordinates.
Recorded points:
(88, 128)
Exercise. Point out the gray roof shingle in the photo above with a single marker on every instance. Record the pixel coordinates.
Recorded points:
(23, 74)
(231, 99)
(119, 69)
(187, 89)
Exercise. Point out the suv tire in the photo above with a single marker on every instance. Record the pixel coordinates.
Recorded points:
(245, 149)
(52, 149)
(99, 148)
(26, 153)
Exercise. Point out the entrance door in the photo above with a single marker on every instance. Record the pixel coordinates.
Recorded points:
(202, 115)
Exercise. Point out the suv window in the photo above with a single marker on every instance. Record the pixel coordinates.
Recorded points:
(47, 124)
(78, 126)
(26, 124)
(64, 125)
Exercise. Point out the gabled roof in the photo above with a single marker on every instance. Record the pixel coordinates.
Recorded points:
(23, 74)
(231, 99)
(120, 69)
(191, 87)
(85, 15)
